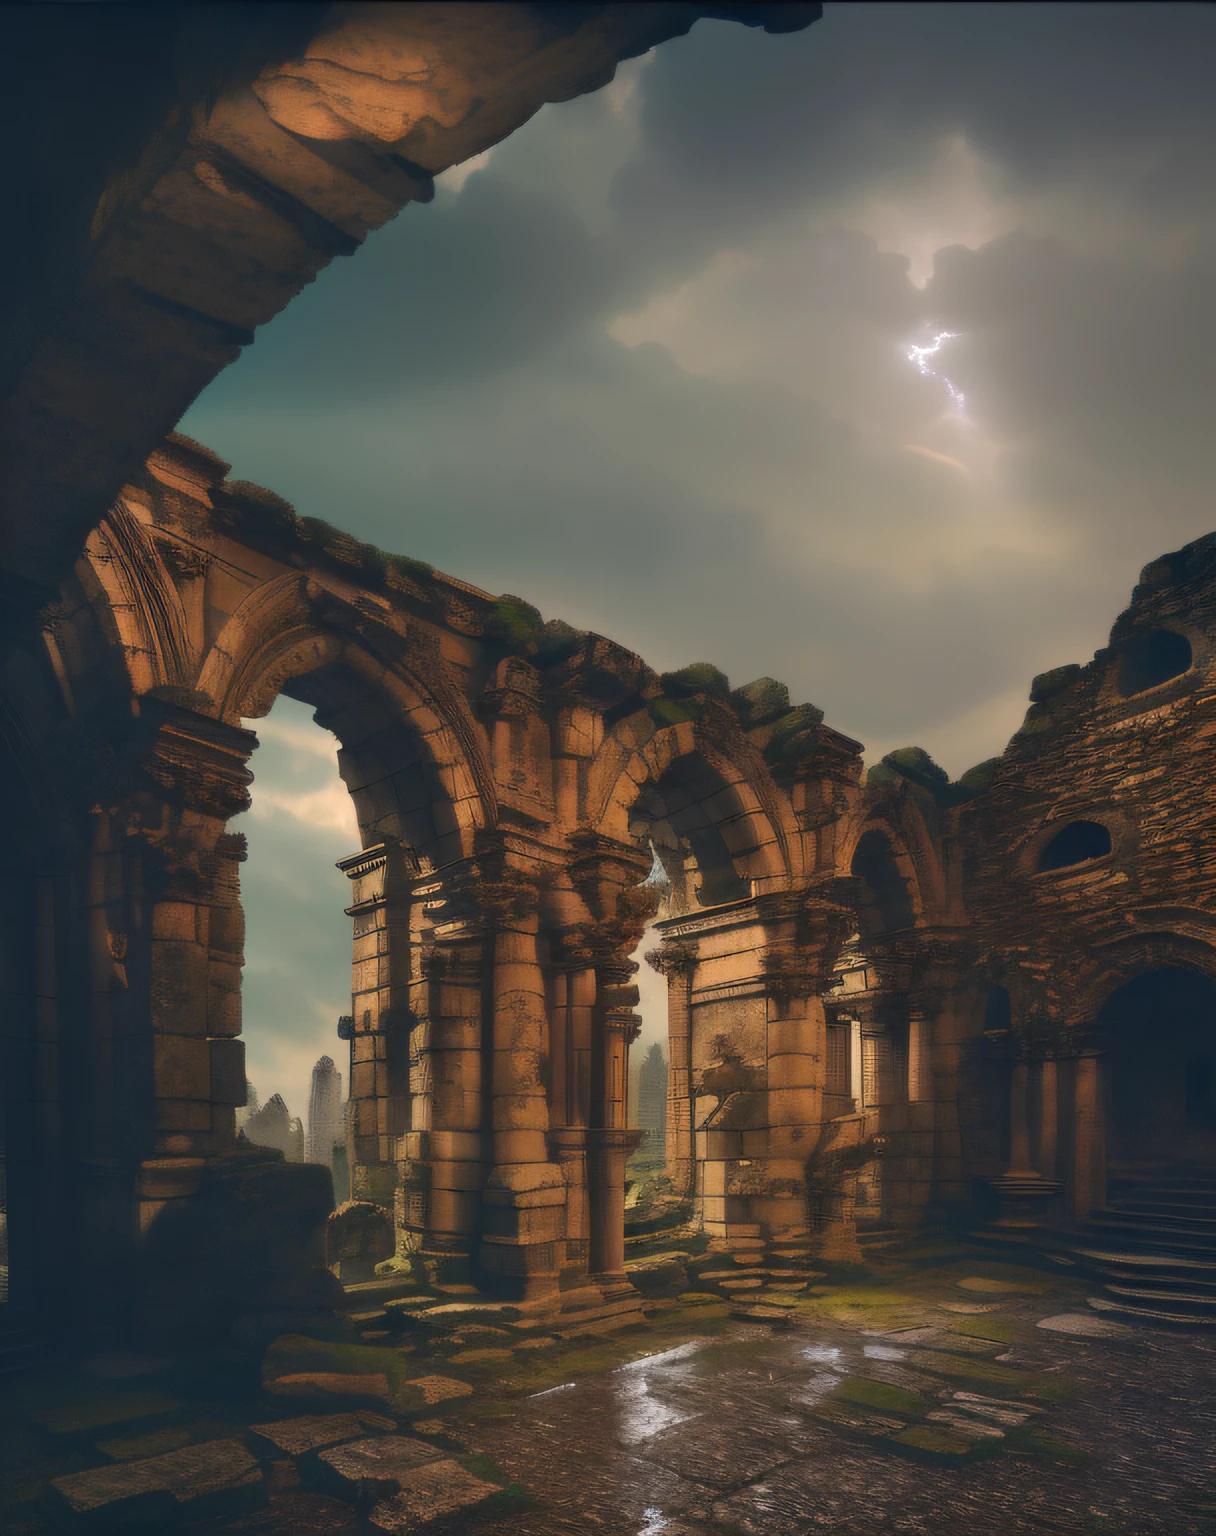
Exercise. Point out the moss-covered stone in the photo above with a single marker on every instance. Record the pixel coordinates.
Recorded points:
(793, 736)
(515, 625)
(867, 1393)
(557, 642)
(673, 711)
(702, 677)
(976, 780)
(760, 702)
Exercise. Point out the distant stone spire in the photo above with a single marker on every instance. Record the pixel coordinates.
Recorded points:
(652, 1101)
(325, 1119)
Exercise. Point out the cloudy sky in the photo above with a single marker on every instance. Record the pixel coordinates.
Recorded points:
(651, 365)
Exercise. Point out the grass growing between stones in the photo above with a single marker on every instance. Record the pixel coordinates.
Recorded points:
(878, 1394)
(1039, 1443)
(512, 1499)
(1000, 1330)
(978, 1372)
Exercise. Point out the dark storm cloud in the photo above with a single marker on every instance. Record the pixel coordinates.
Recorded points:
(648, 367)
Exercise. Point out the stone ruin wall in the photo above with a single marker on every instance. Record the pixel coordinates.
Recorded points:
(833, 1071)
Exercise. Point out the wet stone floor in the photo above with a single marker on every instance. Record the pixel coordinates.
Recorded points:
(941, 1394)
(923, 1419)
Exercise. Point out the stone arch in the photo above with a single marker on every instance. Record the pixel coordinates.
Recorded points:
(914, 850)
(715, 796)
(1123, 962)
(411, 752)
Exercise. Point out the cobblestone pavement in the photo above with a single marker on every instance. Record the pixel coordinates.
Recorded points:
(723, 1437)
(943, 1395)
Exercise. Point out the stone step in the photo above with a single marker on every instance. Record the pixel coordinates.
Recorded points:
(1177, 1301)
(1154, 1314)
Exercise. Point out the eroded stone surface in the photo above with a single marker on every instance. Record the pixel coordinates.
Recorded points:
(1086, 1325)
(374, 1468)
(221, 1470)
(439, 1389)
(427, 1493)
(310, 1432)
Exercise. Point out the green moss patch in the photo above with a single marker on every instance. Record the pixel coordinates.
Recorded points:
(511, 1499)
(1001, 1330)
(929, 1440)
(971, 1368)
(867, 1393)
(1038, 1443)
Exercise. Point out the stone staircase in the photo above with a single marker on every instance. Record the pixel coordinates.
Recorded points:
(1153, 1248)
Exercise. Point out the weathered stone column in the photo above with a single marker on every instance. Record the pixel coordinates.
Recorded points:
(381, 974)
(447, 1162)
(1049, 1117)
(570, 1032)
(1089, 1137)
(677, 962)
(525, 1195)
(1019, 1119)
(610, 1141)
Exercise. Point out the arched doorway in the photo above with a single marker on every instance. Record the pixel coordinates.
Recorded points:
(1161, 1033)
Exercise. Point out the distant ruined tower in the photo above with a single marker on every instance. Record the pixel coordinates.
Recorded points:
(274, 1126)
(326, 1122)
(652, 1101)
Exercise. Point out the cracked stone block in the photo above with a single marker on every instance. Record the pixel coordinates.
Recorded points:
(312, 1432)
(431, 1493)
(195, 1480)
(375, 1468)
(438, 1389)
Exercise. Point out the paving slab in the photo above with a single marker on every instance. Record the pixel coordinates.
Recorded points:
(310, 1432)
(439, 1389)
(196, 1479)
(431, 1493)
(332, 1384)
(1086, 1325)
(376, 1467)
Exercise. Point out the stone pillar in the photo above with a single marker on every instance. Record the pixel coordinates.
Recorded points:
(920, 1072)
(610, 1141)
(856, 1066)
(570, 1035)
(446, 1164)
(677, 962)
(1049, 1117)
(524, 1216)
(381, 973)
(797, 1054)
(1019, 1119)
(1089, 1138)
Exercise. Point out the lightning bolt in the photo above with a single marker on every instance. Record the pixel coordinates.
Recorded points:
(921, 355)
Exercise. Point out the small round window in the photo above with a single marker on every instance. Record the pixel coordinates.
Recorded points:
(1077, 843)
(1151, 659)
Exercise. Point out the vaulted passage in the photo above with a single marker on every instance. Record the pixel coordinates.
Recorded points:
(1162, 1063)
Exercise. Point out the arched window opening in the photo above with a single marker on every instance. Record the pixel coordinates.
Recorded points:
(296, 981)
(885, 905)
(1152, 659)
(1078, 843)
